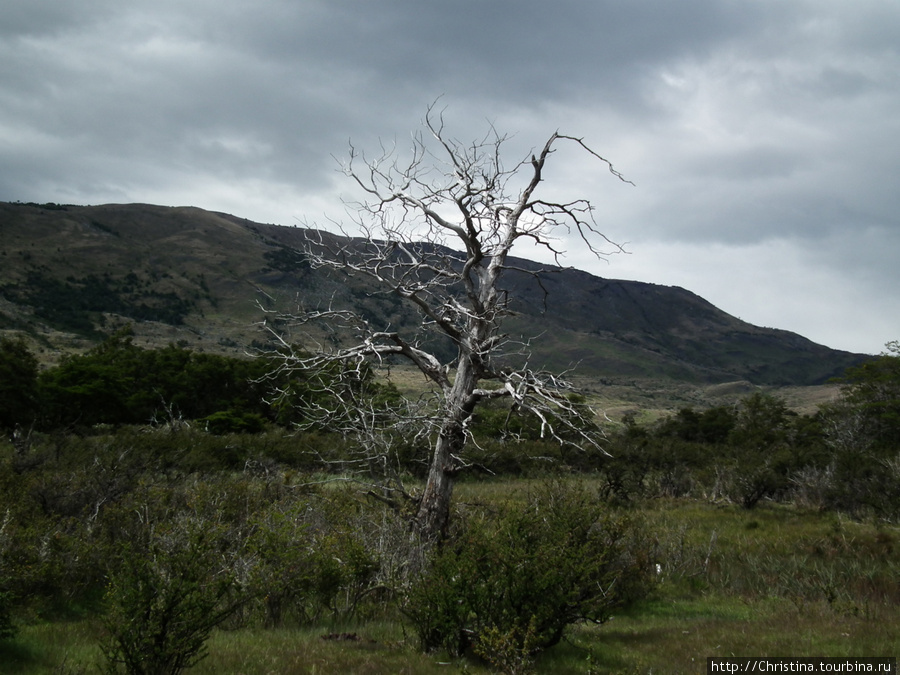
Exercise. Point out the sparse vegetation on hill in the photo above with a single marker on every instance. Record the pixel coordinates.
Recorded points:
(184, 274)
(79, 305)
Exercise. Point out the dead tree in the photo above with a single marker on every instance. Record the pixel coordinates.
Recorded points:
(437, 230)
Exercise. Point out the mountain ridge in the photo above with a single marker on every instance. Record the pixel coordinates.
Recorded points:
(203, 278)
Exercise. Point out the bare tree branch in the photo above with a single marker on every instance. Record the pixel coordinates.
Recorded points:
(437, 231)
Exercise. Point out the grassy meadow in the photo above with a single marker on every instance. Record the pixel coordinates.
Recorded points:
(774, 581)
(720, 521)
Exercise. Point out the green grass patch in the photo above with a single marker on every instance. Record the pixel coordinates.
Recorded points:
(678, 636)
(56, 647)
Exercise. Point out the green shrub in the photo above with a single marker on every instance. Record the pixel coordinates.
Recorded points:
(233, 422)
(7, 628)
(509, 650)
(282, 577)
(519, 577)
(306, 560)
(18, 384)
(164, 602)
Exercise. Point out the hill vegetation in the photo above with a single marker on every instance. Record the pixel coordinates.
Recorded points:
(73, 274)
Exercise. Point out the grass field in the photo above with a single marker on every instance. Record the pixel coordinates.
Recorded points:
(773, 581)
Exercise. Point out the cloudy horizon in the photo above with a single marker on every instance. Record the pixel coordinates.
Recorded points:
(761, 136)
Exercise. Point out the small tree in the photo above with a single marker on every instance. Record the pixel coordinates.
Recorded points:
(863, 428)
(18, 384)
(460, 195)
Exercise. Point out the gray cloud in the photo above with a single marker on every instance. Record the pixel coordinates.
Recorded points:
(747, 126)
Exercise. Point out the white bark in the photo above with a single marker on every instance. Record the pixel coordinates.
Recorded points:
(459, 196)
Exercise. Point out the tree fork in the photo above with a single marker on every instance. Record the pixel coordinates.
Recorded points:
(459, 193)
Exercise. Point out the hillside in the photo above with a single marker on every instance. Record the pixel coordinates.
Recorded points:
(71, 274)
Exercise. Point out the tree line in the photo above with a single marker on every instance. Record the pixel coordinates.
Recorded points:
(118, 382)
(845, 456)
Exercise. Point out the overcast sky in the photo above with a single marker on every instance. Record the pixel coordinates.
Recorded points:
(763, 136)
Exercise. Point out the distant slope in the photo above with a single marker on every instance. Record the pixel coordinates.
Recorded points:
(69, 274)
(649, 330)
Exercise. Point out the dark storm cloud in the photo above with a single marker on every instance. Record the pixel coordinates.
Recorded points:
(755, 131)
(294, 80)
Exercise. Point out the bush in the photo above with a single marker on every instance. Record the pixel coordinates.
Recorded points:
(284, 575)
(233, 422)
(164, 602)
(18, 384)
(510, 583)
(7, 629)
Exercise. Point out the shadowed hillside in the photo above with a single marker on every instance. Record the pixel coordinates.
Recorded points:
(71, 274)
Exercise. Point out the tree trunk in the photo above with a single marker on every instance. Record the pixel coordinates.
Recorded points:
(434, 509)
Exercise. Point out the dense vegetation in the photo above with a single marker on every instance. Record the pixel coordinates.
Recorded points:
(76, 305)
(843, 458)
(154, 495)
(119, 383)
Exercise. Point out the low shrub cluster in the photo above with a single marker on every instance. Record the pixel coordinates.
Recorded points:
(163, 532)
(103, 528)
(758, 450)
(512, 578)
(125, 528)
(845, 457)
